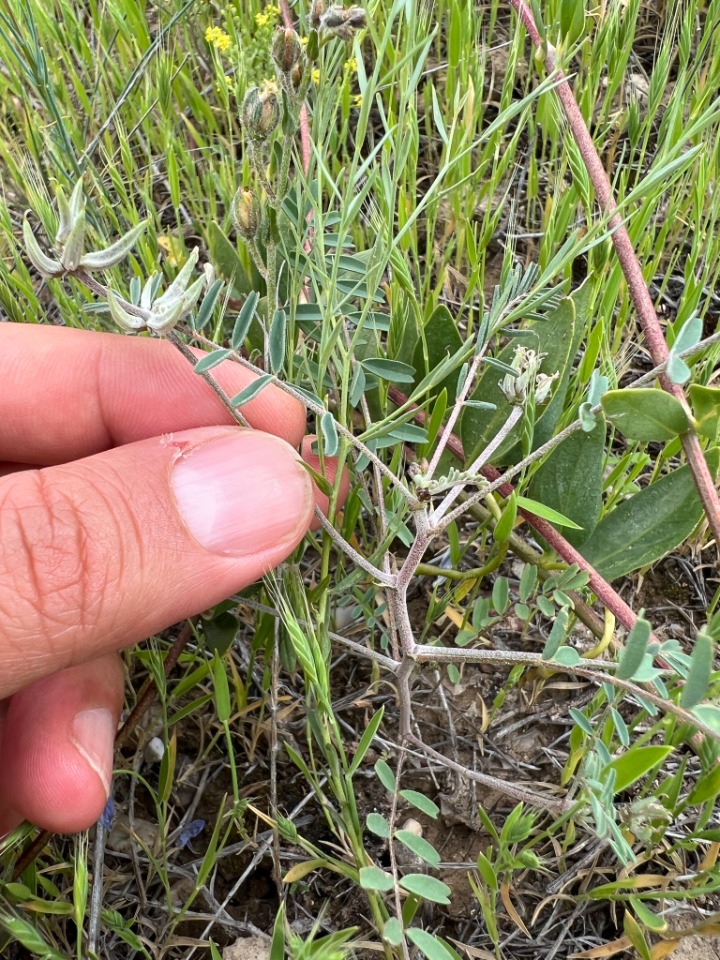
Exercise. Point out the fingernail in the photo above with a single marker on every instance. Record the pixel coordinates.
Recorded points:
(92, 733)
(242, 493)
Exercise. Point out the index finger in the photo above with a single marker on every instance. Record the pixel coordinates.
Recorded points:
(68, 394)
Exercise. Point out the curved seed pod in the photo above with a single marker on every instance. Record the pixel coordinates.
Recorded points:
(74, 245)
(122, 318)
(117, 251)
(177, 287)
(45, 265)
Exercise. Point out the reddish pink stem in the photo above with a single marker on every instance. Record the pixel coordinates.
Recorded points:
(649, 322)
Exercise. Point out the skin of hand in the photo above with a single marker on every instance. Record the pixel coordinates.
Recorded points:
(128, 501)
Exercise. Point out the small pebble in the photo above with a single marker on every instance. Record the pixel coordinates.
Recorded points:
(154, 750)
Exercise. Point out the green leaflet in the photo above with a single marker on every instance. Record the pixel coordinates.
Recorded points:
(393, 931)
(205, 312)
(697, 681)
(330, 434)
(430, 945)
(633, 655)
(706, 409)
(244, 319)
(211, 360)
(438, 339)
(386, 776)
(636, 762)
(570, 480)
(429, 888)
(645, 413)
(377, 824)
(421, 802)
(391, 370)
(252, 390)
(419, 846)
(373, 878)
(689, 334)
(644, 528)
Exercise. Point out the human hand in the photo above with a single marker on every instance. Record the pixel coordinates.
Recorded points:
(149, 507)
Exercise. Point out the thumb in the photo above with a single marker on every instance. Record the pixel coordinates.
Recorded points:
(103, 552)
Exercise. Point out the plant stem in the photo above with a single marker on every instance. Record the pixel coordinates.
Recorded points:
(602, 589)
(92, 284)
(438, 520)
(389, 580)
(556, 807)
(455, 412)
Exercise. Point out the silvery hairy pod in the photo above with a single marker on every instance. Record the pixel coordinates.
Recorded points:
(70, 241)
(516, 386)
(162, 313)
(336, 19)
(316, 12)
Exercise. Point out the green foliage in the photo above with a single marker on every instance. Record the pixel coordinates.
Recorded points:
(697, 681)
(636, 762)
(570, 481)
(429, 888)
(372, 275)
(431, 947)
(551, 338)
(439, 338)
(705, 403)
(644, 414)
(635, 649)
(647, 526)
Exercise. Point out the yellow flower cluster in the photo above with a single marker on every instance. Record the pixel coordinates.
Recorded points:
(268, 16)
(350, 66)
(316, 76)
(218, 38)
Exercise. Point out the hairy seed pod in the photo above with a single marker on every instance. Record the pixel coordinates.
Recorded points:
(245, 214)
(296, 78)
(316, 13)
(286, 49)
(260, 113)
